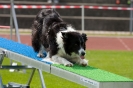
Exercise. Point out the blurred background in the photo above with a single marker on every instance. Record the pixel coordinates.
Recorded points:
(95, 19)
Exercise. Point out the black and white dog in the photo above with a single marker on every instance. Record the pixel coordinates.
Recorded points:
(61, 41)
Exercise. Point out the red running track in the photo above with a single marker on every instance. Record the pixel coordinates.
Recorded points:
(110, 43)
(93, 43)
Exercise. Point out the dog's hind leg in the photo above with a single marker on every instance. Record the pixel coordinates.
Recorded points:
(41, 52)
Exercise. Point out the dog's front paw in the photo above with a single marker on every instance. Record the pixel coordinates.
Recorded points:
(68, 64)
(40, 55)
(84, 62)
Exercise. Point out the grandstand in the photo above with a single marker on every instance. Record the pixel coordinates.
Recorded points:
(105, 20)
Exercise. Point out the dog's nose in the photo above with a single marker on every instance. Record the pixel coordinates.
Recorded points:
(82, 53)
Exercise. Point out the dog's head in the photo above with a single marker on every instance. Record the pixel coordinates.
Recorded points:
(74, 43)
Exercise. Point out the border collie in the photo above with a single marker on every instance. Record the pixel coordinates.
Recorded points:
(60, 40)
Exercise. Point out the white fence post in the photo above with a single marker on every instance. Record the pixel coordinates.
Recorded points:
(83, 23)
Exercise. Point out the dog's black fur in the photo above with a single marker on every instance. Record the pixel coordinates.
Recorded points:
(47, 24)
(44, 22)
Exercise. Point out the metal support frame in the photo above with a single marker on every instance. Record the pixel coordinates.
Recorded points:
(1, 57)
(16, 85)
(1, 60)
(30, 78)
(41, 78)
(1, 84)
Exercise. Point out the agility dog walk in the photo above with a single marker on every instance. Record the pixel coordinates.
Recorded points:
(87, 76)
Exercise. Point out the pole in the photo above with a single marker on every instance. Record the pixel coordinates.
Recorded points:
(11, 25)
(13, 16)
(82, 19)
(131, 17)
(11, 22)
(15, 20)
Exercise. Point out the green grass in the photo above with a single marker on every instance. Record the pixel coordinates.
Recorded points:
(119, 62)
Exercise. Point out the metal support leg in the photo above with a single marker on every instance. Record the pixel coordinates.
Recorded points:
(41, 78)
(1, 57)
(31, 76)
(1, 84)
(1, 60)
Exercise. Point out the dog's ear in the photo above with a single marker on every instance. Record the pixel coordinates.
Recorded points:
(64, 34)
(84, 36)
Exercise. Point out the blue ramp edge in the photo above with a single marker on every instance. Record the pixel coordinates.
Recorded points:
(19, 48)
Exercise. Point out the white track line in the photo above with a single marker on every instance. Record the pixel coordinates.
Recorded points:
(125, 45)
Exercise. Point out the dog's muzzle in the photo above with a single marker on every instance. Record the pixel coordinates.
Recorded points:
(82, 54)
